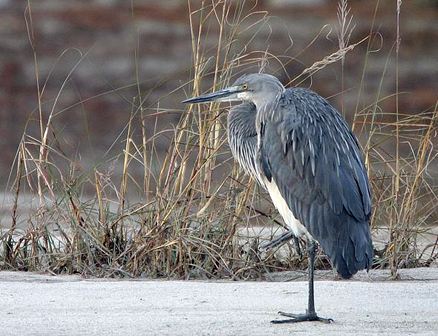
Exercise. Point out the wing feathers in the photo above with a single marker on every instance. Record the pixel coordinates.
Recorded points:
(314, 158)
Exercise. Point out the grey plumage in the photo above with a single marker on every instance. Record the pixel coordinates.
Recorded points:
(308, 149)
(242, 138)
(302, 151)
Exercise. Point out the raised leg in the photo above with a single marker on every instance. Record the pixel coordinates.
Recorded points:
(310, 314)
(288, 235)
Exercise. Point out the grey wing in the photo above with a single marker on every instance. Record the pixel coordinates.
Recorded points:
(310, 152)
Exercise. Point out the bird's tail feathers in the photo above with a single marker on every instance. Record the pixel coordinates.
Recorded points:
(352, 251)
(346, 241)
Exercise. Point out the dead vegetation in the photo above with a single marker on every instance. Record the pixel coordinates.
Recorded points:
(194, 202)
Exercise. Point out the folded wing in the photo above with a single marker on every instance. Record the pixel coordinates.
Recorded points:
(313, 157)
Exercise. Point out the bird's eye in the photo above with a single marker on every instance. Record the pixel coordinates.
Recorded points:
(244, 86)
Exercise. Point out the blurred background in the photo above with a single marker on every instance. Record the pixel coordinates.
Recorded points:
(93, 57)
(107, 173)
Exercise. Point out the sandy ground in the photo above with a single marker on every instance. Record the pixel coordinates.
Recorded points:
(32, 304)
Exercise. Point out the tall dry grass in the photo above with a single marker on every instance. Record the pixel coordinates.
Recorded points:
(196, 201)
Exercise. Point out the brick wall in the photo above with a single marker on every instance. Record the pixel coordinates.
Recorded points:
(98, 39)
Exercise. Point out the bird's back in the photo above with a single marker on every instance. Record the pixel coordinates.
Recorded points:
(309, 151)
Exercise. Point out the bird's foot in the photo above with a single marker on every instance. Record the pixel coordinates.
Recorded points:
(288, 235)
(295, 318)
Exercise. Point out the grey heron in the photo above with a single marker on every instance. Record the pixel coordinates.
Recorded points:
(301, 150)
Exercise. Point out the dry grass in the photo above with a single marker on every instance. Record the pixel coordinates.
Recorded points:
(196, 201)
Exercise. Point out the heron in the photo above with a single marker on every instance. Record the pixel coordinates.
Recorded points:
(302, 151)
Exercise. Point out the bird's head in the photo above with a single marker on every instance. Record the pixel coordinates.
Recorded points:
(256, 88)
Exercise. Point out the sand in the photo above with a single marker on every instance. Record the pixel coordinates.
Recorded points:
(33, 304)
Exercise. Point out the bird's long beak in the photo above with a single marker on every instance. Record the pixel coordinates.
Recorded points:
(225, 95)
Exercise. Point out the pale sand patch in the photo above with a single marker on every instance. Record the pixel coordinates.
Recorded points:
(33, 304)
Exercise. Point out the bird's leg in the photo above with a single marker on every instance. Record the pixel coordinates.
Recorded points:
(288, 235)
(298, 247)
(310, 314)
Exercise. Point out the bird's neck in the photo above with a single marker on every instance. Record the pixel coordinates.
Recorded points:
(267, 104)
(241, 120)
